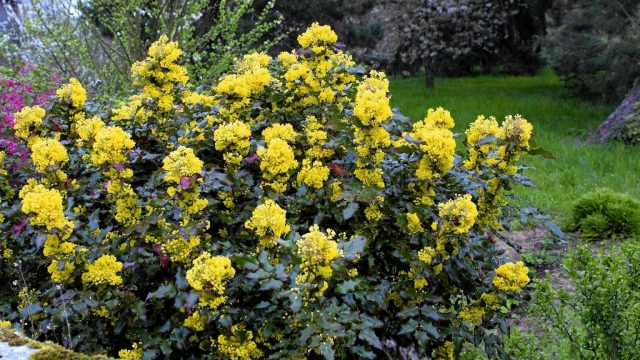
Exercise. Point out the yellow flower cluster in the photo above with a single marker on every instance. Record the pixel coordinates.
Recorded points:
(209, 275)
(437, 146)
(45, 205)
(459, 214)
(87, 129)
(479, 153)
(269, 222)
(276, 161)
(472, 315)
(413, 223)
(372, 103)
(444, 352)
(240, 345)
(103, 271)
(316, 139)
(439, 118)
(3, 170)
(279, 131)
(126, 200)
(372, 109)
(28, 121)
(317, 250)
(252, 78)
(73, 94)
(426, 255)
(195, 321)
(180, 163)
(233, 139)
(159, 73)
(511, 276)
(514, 135)
(516, 130)
(110, 146)
(135, 353)
(48, 155)
(313, 174)
(490, 301)
(317, 38)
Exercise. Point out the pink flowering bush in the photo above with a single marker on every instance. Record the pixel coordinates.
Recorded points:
(24, 87)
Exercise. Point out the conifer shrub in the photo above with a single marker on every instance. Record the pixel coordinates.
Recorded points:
(286, 212)
(604, 213)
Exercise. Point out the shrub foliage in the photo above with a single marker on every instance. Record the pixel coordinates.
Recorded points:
(287, 211)
(604, 213)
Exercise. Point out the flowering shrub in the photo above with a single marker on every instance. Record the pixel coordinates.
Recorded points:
(26, 86)
(288, 211)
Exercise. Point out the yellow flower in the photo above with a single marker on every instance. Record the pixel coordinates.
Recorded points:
(317, 37)
(253, 61)
(73, 93)
(287, 58)
(279, 131)
(88, 128)
(479, 129)
(516, 130)
(245, 84)
(27, 121)
(317, 250)
(426, 255)
(438, 147)
(103, 271)
(135, 353)
(233, 138)
(268, 221)
(439, 118)
(110, 146)
(48, 154)
(444, 352)
(413, 223)
(209, 275)
(276, 160)
(240, 345)
(472, 314)
(195, 321)
(61, 273)
(511, 276)
(45, 205)
(5, 324)
(180, 163)
(370, 177)
(159, 73)
(459, 214)
(335, 190)
(372, 103)
(490, 300)
(313, 174)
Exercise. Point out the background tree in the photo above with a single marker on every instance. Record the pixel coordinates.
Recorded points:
(461, 37)
(98, 40)
(596, 47)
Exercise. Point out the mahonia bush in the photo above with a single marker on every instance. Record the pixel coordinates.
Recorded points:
(286, 212)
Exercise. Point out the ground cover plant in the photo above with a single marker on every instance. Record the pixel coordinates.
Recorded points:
(604, 214)
(287, 211)
(562, 124)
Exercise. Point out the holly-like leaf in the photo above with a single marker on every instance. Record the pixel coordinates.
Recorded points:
(370, 337)
(350, 210)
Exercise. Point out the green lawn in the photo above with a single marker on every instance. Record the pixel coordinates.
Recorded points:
(561, 124)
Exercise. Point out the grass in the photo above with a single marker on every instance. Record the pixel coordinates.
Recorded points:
(561, 125)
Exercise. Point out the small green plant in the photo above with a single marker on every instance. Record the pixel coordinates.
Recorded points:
(604, 213)
(600, 316)
(537, 259)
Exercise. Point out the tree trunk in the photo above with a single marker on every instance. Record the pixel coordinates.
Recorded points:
(428, 74)
(618, 115)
